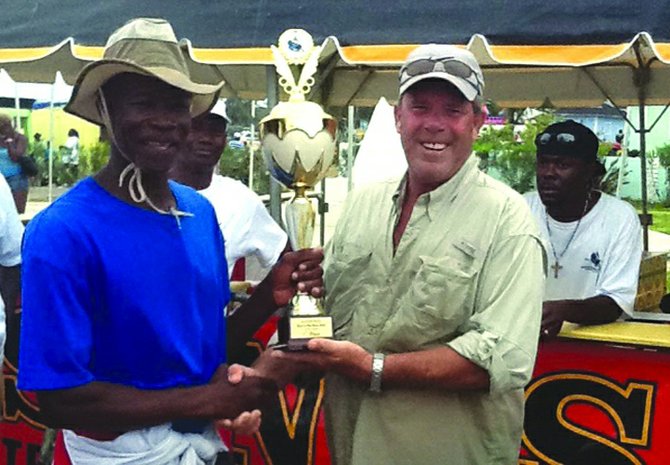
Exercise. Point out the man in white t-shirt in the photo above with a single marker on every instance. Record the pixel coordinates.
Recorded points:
(593, 240)
(248, 229)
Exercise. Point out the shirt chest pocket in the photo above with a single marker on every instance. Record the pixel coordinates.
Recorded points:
(439, 299)
(345, 282)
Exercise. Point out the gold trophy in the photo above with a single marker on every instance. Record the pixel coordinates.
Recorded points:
(298, 141)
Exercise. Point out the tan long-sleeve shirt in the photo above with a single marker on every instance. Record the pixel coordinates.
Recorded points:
(467, 273)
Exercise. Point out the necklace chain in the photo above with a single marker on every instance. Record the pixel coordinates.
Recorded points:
(558, 257)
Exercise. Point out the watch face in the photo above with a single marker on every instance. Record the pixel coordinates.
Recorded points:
(377, 369)
(295, 45)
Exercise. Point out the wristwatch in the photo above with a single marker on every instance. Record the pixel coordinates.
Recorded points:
(377, 370)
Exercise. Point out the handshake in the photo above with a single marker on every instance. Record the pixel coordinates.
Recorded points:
(244, 391)
(251, 389)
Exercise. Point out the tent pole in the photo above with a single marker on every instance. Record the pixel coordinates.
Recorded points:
(646, 220)
(17, 107)
(251, 145)
(623, 161)
(275, 188)
(640, 80)
(51, 140)
(350, 146)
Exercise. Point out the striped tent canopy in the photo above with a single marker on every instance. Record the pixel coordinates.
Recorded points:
(570, 53)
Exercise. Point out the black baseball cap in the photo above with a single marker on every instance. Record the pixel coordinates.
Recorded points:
(569, 139)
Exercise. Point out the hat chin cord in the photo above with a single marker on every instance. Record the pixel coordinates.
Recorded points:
(135, 187)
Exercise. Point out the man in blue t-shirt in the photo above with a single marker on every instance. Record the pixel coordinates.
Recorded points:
(124, 335)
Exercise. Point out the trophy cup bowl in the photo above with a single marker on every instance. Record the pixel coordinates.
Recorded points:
(298, 142)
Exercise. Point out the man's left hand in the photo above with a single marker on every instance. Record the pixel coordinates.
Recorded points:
(552, 319)
(297, 271)
(343, 357)
(246, 423)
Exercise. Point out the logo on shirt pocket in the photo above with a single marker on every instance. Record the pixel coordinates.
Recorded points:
(593, 263)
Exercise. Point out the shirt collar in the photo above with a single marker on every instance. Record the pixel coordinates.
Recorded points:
(445, 193)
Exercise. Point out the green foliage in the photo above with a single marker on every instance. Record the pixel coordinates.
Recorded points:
(91, 159)
(663, 154)
(510, 156)
(362, 117)
(608, 183)
(239, 112)
(605, 149)
(235, 164)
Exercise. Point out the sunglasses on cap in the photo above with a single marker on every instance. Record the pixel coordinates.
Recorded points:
(561, 138)
(449, 65)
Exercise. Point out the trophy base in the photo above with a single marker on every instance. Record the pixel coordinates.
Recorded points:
(296, 331)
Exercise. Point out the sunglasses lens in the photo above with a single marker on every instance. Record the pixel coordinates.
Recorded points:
(448, 65)
(419, 67)
(562, 138)
(456, 68)
(565, 138)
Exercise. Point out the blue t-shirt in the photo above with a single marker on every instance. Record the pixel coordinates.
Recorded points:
(8, 167)
(119, 294)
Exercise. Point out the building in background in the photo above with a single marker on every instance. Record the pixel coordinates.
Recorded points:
(604, 121)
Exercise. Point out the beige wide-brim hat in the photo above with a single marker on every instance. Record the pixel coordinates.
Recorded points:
(144, 46)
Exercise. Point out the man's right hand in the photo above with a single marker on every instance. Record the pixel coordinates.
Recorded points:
(99, 406)
(246, 393)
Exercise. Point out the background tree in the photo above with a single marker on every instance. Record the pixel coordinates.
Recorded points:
(509, 153)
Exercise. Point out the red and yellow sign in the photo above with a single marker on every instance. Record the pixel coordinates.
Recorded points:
(594, 403)
(588, 403)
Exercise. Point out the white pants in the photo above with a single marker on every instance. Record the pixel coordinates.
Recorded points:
(158, 445)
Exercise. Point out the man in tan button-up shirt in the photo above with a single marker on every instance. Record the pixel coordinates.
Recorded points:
(434, 283)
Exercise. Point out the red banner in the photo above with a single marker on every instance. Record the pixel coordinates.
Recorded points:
(588, 403)
(594, 403)
(22, 430)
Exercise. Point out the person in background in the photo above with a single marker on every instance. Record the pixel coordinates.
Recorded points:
(619, 137)
(71, 154)
(11, 235)
(236, 142)
(13, 145)
(594, 240)
(39, 147)
(247, 227)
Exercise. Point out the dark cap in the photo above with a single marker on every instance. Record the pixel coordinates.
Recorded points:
(569, 139)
